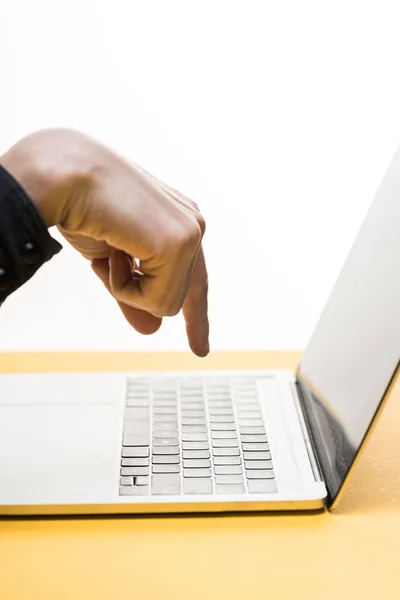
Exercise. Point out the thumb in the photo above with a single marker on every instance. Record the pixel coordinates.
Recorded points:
(142, 321)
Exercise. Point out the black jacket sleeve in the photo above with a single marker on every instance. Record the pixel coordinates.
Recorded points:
(25, 243)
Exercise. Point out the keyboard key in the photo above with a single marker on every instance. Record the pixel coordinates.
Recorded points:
(193, 414)
(139, 391)
(264, 474)
(135, 452)
(227, 460)
(218, 389)
(251, 422)
(193, 421)
(196, 463)
(136, 384)
(142, 480)
(139, 428)
(220, 411)
(166, 459)
(165, 404)
(132, 396)
(164, 419)
(223, 426)
(194, 437)
(197, 472)
(196, 454)
(250, 447)
(135, 462)
(220, 403)
(126, 481)
(165, 450)
(164, 441)
(165, 433)
(190, 392)
(138, 402)
(134, 471)
(164, 388)
(193, 403)
(229, 479)
(165, 426)
(189, 406)
(262, 486)
(139, 385)
(222, 419)
(166, 484)
(134, 490)
(230, 443)
(230, 490)
(257, 439)
(223, 435)
(164, 411)
(252, 430)
(257, 455)
(225, 451)
(136, 440)
(192, 486)
(194, 429)
(166, 468)
(165, 392)
(258, 464)
(136, 414)
(195, 446)
(228, 470)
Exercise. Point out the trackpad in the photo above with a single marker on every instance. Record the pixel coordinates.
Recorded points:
(58, 453)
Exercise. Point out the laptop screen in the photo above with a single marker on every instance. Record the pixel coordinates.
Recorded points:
(354, 352)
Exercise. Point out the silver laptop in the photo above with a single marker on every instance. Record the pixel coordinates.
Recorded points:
(229, 441)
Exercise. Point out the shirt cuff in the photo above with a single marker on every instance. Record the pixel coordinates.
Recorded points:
(25, 243)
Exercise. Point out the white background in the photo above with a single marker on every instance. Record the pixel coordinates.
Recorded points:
(278, 118)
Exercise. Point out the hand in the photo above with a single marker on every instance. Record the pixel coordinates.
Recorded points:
(142, 237)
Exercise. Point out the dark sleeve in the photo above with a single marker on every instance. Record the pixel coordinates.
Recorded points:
(25, 243)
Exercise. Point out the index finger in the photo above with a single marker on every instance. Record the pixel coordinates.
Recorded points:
(195, 308)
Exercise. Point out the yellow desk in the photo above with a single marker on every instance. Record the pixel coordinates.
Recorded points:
(351, 554)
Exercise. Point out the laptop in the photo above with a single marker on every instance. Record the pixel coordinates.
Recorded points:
(112, 443)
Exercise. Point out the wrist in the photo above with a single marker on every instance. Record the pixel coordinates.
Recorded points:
(50, 166)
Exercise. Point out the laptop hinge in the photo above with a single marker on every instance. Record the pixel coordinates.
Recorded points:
(311, 451)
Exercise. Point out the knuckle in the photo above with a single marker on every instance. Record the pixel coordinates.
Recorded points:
(198, 216)
(195, 206)
(172, 311)
(202, 224)
(190, 236)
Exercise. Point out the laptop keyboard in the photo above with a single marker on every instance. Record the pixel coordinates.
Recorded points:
(194, 437)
